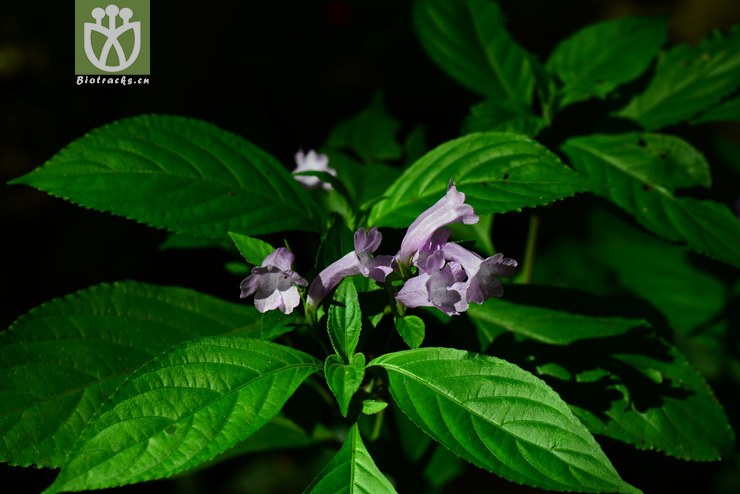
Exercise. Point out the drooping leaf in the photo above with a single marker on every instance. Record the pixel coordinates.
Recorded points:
(344, 379)
(549, 326)
(644, 190)
(345, 320)
(687, 80)
(182, 409)
(59, 362)
(371, 134)
(253, 249)
(599, 58)
(725, 111)
(498, 172)
(634, 388)
(180, 174)
(498, 417)
(495, 115)
(351, 471)
(468, 40)
(411, 329)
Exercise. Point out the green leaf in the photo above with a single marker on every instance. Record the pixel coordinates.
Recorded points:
(336, 241)
(550, 326)
(344, 380)
(183, 408)
(498, 172)
(726, 111)
(414, 442)
(443, 467)
(371, 407)
(59, 362)
(681, 417)
(687, 80)
(275, 324)
(685, 294)
(480, 233)
(371, 134)
(634, 388)
(351, 471)
(599, 58)
(498, 417)
(411, 329)
(469, 41)
(254, 250)
(644, 191)
(180, 174)
(345, 320)
(182, 241)
(503, 116)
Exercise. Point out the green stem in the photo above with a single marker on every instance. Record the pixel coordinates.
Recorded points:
(530, 250)
(377, 426)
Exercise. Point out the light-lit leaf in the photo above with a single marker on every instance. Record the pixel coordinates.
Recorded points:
(645, 193)
(345, 320)
(411, 329)
(468, 40)
(687, 80)
(275, 324)
(344, 379)
(351, 471)
(498, 172)
(183, 408)
(253, 249)
(550, 326)
(59, 362)
(498, 417)
(180, 174)
(600, 57)
(371, 407)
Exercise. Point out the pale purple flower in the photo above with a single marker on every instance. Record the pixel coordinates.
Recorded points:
(312, 162)
(450, 209)
(450, 276)
(358, 261)
(274, 283)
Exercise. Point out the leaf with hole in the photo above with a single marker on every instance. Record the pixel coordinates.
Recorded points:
(498, 172)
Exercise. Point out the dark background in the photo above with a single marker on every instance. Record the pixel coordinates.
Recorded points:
(281, 74)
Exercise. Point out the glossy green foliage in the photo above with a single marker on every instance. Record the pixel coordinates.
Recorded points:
(498, 172)
(498, 417)
(183, 175)
(469, 41)
(59, 362)
(344, 379)
(351, 471)
(183, 408)
(254, 250)
(344, 322)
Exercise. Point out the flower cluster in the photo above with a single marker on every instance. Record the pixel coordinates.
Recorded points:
(447, 275)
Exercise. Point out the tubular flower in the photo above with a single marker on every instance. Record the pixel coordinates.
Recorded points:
(274, 283)
(450, 277)
(358, 261)
(312, 162)
(450, 209)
